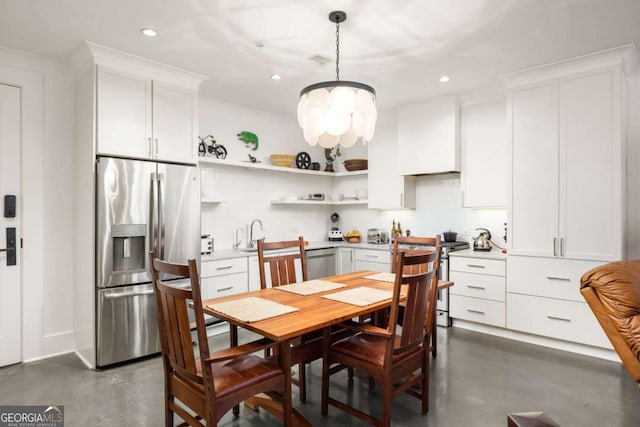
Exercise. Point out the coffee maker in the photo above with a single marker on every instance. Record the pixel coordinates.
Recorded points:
(335, 235)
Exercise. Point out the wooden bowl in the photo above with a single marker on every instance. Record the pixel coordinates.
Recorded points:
(284, 160)
(356, 164)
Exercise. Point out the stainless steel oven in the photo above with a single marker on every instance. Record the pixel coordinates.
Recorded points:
(442, 305)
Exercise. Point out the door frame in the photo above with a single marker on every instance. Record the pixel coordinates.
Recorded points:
(22, 71)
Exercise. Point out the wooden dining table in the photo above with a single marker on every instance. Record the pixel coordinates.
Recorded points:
(314, 312)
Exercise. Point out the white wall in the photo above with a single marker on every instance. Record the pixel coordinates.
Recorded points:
(47, 315)
(276, 134)
(247, 193)
(633, 168)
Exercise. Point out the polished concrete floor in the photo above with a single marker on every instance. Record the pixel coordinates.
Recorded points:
(476, 381)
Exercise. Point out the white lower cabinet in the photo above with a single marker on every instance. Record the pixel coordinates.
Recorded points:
(220, 278)
(543, 298)
(254, 274)
(547, 277)
(477, 310)
(345, 261)
(478, 293)
(566, 320)
(372, 259)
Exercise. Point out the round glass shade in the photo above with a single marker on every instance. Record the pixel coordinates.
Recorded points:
(337, 112)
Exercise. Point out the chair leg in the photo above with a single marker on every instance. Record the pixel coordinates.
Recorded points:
(168, 414)
(302, 382)
(350, 373)
(324, 401)
(386, 405)
(236, 411)
(372, 382)
(425, 385)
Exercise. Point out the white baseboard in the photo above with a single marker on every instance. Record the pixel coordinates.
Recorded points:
(587, 350)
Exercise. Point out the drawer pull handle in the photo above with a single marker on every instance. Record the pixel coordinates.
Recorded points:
(564, 319)
(371, 256)
(224, 267)
(476, 266)
(228, 288)
(564, 279)
(475, 311)
(476, 287)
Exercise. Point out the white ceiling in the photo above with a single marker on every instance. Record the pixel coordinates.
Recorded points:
(399, 47)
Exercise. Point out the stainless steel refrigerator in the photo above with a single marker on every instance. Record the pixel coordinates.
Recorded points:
(140, 206)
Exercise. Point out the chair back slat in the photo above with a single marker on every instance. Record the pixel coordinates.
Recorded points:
(413, 245)
(282, 267)
(418, 306)
(173, 318)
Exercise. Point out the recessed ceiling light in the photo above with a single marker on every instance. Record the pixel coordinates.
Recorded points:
(276, 77)
(149, 32)
(444, 79)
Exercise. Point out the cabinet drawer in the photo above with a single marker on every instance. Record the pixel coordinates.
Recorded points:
(371, 255)
(373, 266)
(547, 277)
(220, 286)
(494, 267)
(477, 285)
(223, 266)
(565, 320)
(477, 310)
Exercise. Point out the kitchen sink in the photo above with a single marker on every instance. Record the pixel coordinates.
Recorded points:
(249, 249)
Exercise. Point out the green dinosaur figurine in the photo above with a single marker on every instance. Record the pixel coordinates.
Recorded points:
(249, 138)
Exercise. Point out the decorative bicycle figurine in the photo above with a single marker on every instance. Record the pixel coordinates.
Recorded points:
(214, 148)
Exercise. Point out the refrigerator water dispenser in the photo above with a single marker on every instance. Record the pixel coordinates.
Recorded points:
(129, 242)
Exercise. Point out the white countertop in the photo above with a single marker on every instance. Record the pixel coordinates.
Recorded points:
(238, 253)
(470, 253)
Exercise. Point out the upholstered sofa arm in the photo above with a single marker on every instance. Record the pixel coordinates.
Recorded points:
(613, 294)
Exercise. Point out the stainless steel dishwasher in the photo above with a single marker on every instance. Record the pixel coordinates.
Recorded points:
(321, 263)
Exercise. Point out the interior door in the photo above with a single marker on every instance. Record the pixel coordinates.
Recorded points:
(10, 311)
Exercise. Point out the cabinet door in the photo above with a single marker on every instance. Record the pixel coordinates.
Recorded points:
(123, 108)
(387, 188)
(483, 136)
(590, 166)
(254, 274)
(429, 136)
(174, 123)
(345, 261)
(533, 121)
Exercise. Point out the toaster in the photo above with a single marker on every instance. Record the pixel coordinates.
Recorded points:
(206, 244)
(376, 236)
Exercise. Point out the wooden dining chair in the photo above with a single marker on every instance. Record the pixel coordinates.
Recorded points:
(281, 267)
(399, 362)
(413, 245)
(209, 384)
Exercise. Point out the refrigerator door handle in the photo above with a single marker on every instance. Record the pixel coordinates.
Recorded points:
(153, 224)
(161, 215)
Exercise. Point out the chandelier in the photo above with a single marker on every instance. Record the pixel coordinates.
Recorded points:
(337, 112)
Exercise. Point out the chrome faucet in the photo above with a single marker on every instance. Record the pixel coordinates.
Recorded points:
(236, 244)
(252, 242)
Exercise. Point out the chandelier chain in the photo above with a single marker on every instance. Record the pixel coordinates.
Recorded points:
(337, 50)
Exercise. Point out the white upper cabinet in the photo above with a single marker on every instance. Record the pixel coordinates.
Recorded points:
(140, 117)
(429, 136)
(124, 112)
(174, 122)
(387, 188)
(534, 170)
(483, 136)
(567, 165)
(143, 109)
